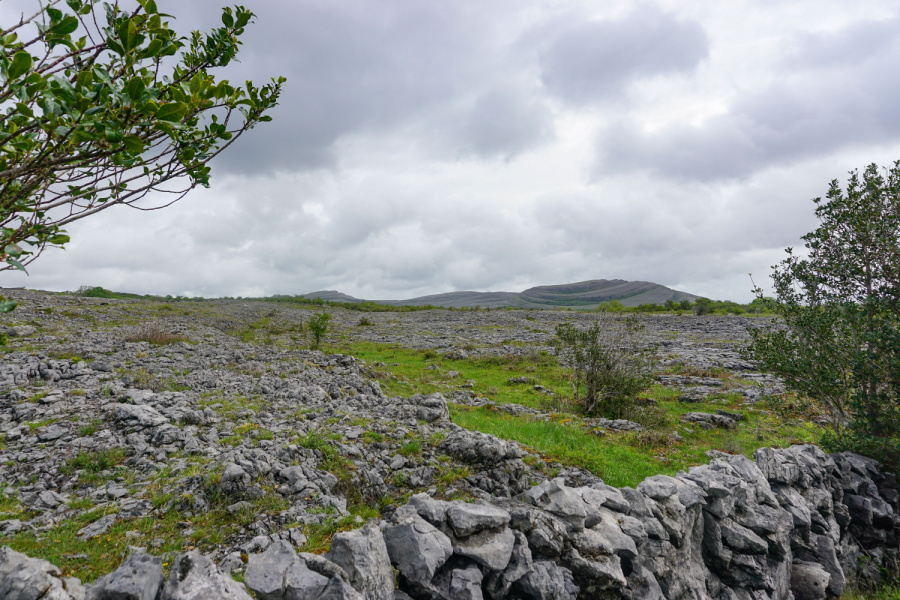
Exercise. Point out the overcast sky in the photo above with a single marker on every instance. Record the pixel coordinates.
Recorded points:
(425, 146)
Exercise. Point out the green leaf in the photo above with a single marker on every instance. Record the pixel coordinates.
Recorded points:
(114, 135)
(135, 88)
(115, 46)
(133, 144)
(20, 64)
(68, 25)
(174, 111)
(227, 19)
(59, 239)
(7, 305)
(13, 250)
(85, 79)
(153, 48)
(128, 35)
(16, 264)
(149, 6)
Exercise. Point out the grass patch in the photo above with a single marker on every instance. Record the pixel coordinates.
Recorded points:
(887, 593)
(35, 425)
(625, 459)
(93, 464)
(407, 373)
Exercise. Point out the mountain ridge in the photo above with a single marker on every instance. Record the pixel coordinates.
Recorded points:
(582, 294)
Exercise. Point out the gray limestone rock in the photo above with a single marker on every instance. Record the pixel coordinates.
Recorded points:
(417, 549)
(466, 519)
(433, 511)
(808, 580)
(432, 408)
(559, 500)
(193, 576)
(548, 581)
(235, 480)
(138, 416)
(709, 420)
(139, 577)
(338, 589)
(364, 556)
(498, 584)
(463, 582)
(265, 574)
(490, 549)
(26, 578)
(20, 330)
(302, 583)
(98, 527)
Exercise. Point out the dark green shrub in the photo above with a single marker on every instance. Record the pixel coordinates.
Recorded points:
(318, 326)
(703, 306)
(838, 339)
(611, 364)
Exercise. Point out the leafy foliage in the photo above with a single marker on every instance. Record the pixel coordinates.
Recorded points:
(839, 340)
(101, 106)
(610, 364)
(318, 325)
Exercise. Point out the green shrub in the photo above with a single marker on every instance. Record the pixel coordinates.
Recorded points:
(703, 306)
(318, 325)
(838, 339)
(610, 364)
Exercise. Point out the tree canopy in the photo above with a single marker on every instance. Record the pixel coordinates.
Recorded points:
(839, 338)
(100, 106)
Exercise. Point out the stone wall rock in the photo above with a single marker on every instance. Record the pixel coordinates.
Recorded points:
(789, 526)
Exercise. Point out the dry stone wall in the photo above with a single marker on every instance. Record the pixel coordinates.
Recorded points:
(796, 524)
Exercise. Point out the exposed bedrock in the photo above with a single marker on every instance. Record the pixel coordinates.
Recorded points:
(794, 525)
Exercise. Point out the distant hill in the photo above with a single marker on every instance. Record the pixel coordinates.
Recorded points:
(584, 294)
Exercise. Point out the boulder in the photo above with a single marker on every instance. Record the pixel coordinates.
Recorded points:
(417, 549)
(554, 497)
(26, 578)
(808, 580)
(235, 480)
(363, 554)
(548, 581)
(265, 574)
(193, 576)
(139, 577)
(137, 416)
(465, 519)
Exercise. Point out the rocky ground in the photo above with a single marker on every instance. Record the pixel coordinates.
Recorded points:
(207, 442)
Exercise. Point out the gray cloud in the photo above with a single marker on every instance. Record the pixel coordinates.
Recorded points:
(590, 60)
(356, 67)
(831, 92)
(423, 147)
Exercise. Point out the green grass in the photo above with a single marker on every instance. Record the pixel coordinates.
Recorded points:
(93, 464)
(176, 530)
(620, 458)
(887, 593)
(408, 374)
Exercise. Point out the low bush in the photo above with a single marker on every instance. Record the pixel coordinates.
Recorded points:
(611, 364)
(155, 334)
(318, 326)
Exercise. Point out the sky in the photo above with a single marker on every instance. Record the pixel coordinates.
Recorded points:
(427, 146)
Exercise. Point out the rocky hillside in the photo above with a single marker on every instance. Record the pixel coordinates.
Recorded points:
(585, 294)
(184, 447)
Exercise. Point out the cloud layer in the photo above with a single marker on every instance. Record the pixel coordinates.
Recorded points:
(422, 147)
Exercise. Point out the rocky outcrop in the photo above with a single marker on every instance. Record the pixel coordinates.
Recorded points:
(791, 526)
